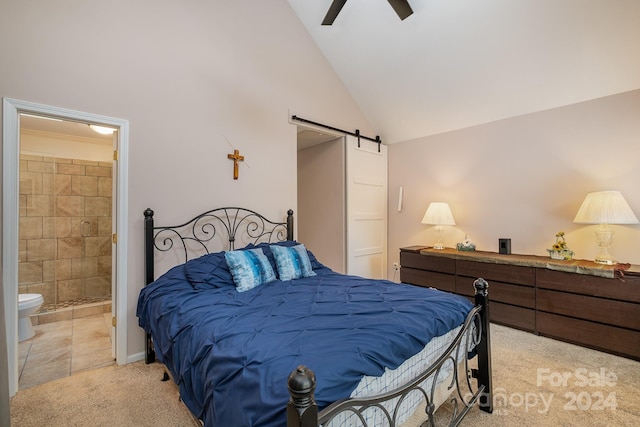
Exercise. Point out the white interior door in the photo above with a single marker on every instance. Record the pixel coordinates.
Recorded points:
(366, 168)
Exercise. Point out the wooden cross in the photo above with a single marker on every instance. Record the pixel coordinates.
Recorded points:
(236, 157)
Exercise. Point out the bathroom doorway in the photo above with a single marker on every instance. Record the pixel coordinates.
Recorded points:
(65, 216)
(65, 246)
(74, 269)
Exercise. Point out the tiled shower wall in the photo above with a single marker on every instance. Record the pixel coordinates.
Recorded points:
(65, 228)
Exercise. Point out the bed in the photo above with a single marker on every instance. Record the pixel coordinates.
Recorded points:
(256, 331)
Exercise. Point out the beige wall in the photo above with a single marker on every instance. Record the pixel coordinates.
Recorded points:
(192, 80)
(522, 178)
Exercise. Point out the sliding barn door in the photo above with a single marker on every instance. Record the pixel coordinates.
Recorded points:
(366, 176)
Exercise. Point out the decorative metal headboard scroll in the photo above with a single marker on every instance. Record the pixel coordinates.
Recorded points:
(212, 231)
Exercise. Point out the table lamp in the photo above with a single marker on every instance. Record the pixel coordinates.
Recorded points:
(604, 208)
(438, 214)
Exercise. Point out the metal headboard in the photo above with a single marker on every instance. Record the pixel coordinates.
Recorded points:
(207, 232)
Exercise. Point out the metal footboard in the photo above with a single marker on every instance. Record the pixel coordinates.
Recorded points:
(474, 336)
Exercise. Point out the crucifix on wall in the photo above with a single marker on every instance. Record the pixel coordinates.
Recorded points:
(236, 157)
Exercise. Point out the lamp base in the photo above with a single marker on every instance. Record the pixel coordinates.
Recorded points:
(604, 235)
(439, 231)
(607, 260)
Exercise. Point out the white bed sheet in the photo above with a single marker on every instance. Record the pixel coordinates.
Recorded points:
(395, 378)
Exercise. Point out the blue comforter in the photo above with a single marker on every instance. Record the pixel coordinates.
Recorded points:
(231, 353)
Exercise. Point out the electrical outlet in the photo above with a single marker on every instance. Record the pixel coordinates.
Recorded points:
(396, 267)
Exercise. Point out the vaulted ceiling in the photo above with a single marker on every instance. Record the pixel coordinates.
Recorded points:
(458, 63)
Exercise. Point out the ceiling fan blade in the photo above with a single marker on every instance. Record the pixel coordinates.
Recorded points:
(402, 8)
(333, 11)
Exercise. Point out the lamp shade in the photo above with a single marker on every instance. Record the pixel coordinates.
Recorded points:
(438, 213)
(605, 207)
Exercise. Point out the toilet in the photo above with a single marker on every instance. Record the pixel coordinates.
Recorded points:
(27, 305)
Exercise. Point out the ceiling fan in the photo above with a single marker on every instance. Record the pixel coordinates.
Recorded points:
(402, 8)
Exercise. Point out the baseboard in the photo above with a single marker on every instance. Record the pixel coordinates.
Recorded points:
(135, 357)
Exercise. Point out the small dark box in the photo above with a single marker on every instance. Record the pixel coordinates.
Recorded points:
(504, 246)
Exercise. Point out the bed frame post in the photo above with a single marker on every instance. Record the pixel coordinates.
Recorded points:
(484, 375)
(290, 224)
(150, 355)
(302, 410)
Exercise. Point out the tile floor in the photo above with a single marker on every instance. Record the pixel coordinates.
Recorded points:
(65, 347)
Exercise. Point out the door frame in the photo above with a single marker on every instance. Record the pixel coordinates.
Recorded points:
(352, 214)
(332, 137)
(12, 109)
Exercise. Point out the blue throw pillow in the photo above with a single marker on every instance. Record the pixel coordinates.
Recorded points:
(266, 248)
(292, 262)
(249, 268)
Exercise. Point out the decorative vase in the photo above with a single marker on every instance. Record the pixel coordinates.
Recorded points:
(466, 247)
(560, 250)
(564, 254)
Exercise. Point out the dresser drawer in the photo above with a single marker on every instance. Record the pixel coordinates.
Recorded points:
(616, 313)
(497, 272)
(444, 282)
(425, 262)
(627, 289)
(523, 296)
(590, 334)
(517, 317)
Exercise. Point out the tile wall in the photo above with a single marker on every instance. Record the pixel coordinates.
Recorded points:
(65, 228)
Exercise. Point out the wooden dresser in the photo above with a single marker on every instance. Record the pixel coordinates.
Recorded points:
(574, 301)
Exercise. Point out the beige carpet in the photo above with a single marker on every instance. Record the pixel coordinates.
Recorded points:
(129, 395)
(537, 382)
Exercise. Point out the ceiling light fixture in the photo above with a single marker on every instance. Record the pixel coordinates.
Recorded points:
(102, 130)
